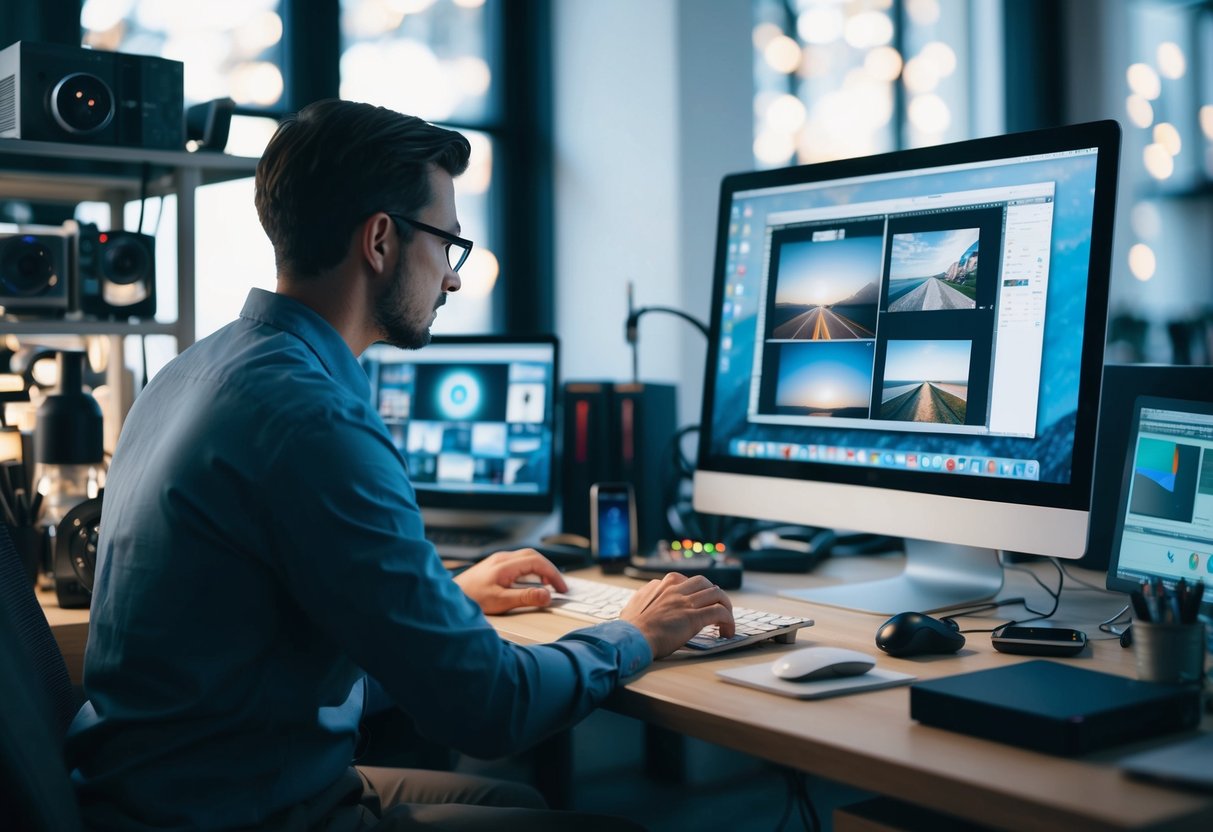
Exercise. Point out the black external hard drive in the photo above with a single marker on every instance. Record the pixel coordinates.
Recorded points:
(1039, 641)
(1054, 707)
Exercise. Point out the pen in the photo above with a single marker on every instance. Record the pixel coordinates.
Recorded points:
(1194, 598)
(1140, 610)
(1174, 612)
(1149, 592)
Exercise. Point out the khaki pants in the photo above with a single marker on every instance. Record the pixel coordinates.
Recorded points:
(397, 799)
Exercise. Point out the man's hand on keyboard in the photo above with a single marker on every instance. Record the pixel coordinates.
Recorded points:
(675, 608)
(490, 582)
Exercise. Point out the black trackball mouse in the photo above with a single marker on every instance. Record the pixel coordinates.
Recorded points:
(913, 634)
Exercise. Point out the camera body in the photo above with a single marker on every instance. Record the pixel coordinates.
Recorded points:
(35, 271)
(51, 271)
(53, 92)
(115, 274)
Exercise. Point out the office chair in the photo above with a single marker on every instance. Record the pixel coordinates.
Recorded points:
(18, 598)
(35, 791)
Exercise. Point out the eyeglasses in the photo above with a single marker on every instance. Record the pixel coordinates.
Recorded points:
(464, 246)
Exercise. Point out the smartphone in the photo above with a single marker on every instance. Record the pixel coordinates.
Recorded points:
(1039, 641)
(612, 524)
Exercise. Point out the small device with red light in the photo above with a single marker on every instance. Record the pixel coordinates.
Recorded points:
(117, 274)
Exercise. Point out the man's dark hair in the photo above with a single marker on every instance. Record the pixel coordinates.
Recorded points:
(335, 163)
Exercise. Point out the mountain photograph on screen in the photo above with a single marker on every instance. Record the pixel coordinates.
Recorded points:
(1165, 476)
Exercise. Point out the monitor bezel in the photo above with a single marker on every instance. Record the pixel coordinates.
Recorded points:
(500, 502)
(1114, 580)
(1104, 136)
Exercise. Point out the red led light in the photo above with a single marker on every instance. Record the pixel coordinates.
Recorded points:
(104, 238)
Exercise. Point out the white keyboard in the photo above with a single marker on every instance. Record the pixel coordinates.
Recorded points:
(594, 601)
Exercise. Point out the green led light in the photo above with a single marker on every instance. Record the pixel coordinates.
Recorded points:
(709, 548)
(676, 545)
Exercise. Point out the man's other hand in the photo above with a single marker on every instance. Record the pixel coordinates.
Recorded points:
(675, 608)
(490, 583)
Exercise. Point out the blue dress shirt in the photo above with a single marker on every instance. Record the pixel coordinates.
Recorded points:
(261, 552)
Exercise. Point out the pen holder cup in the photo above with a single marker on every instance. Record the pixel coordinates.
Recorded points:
(1169, 653)
(30, 543)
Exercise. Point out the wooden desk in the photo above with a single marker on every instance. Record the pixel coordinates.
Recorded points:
(868, 740)
(70, 628)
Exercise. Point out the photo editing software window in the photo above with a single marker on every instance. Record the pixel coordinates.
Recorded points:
(926, 320)
(1168, 527)
(469, 418)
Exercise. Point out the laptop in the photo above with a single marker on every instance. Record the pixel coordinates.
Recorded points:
(475, 418)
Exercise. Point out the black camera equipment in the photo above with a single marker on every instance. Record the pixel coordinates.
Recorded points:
(76, 553)
(53, 92)
(34, 272)
(116, 271)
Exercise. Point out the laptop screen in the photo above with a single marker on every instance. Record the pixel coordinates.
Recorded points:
(474, 417)
(1165, 520)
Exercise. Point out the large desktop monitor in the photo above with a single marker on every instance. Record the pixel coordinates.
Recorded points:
(475, 419)
(911, 344)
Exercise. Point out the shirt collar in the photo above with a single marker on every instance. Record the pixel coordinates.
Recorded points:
(295, 318)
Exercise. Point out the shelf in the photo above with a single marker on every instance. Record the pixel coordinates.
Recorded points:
(69, 327)
(77, 172)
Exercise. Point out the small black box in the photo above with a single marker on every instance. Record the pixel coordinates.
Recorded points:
(1053, 707)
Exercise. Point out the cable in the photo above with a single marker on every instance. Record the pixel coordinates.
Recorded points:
(798, 794)
(788, 802)
(808, 812)
(1108, 625)
(143, 175)
(1085, 584)
(1054, 594)
(1038, 615)
(631, 329)
(143, 356)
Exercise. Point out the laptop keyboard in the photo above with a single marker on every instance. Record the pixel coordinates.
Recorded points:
(594, 601)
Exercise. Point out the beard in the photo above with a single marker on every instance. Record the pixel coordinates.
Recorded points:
(401, 317)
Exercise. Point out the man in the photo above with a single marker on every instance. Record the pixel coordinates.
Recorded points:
(262, 553)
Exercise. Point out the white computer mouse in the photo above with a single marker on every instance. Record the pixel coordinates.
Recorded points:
(811, 664)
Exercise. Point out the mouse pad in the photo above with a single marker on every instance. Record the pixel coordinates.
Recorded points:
(760, 676)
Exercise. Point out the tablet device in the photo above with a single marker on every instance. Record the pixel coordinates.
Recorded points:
(1164, 521)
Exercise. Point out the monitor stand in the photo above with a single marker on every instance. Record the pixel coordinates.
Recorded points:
(937, 576)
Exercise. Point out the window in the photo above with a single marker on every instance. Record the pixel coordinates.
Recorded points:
(453, 62)
(835, 80)
(442, 69)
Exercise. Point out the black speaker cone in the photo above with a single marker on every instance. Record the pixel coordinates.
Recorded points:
(126, 260)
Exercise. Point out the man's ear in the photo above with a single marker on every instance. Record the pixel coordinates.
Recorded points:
(378, 241)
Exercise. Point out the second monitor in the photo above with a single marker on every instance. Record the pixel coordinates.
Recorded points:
(474, 418)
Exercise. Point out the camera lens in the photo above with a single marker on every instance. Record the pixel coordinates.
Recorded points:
(82, 104)
(125, 260)
(26, 267)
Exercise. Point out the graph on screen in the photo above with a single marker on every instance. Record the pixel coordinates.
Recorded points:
(1165, 476)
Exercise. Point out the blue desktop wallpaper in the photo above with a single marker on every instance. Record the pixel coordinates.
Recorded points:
(1074, 180)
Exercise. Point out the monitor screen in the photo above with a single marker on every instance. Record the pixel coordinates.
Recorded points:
(474, 418)
(1164, 525)
(929, 323)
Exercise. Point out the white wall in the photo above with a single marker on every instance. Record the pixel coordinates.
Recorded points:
(653, 107)
(616, 174)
